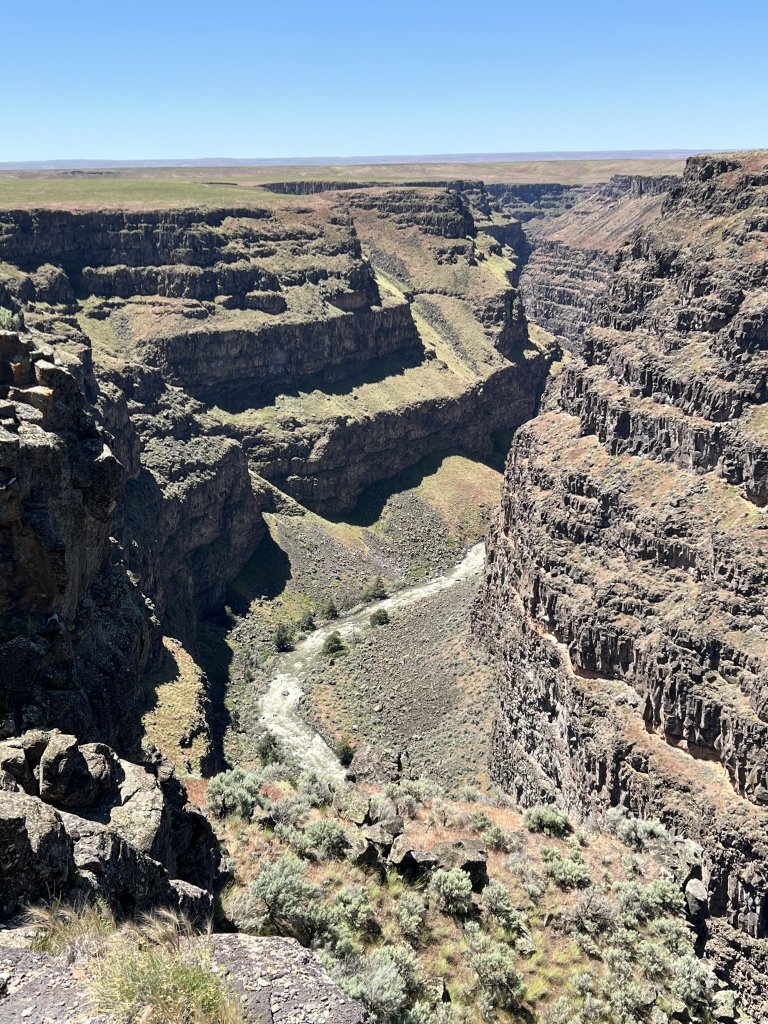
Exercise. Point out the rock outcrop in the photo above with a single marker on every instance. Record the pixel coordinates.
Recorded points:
(77, 820)
(71, 618)
(625, 578)
(277, 980)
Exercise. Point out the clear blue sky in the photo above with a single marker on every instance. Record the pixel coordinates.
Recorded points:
(139, 79)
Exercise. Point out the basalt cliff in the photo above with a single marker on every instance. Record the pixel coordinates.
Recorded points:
(625, 577)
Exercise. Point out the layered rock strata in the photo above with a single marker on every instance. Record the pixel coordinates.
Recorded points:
(626, 574)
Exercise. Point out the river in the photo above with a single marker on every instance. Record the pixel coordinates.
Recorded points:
(279, 707)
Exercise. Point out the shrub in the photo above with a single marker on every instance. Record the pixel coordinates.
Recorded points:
(374, 590)
(380, 617)
(498, 904)
(646, 902)
(294, 838)
(9, 321)
(354, 908)
(168, 978)
(307, 623)
(345, 751)
(318, 791)
(379, 986)
(279, 899)
(494, 964)
(419, 1013)
(673, 933)
(381, 807)
(594, 914)
(451, 891)
(547, 820)
(653, 960)
(635, 832)
(496, 838)
(283, 637)
(568, 872)
(480, 821)
(327, 609)
(289, 810)
(269, 749)
(410, 913)
(691, 980)
(470, 794)
(234, 792)
(333, 644)
(327, 837)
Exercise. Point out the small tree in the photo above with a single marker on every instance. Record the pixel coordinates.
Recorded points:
(283, 637)
(307, 623)
(327, 609)
(374, 590)
(345, 751)
(380, 617)
(269, 749)
(333, 644)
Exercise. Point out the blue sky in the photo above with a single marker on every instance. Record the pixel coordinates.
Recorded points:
(164, 79)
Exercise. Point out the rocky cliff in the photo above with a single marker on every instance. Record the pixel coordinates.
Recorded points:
(71, 617)
(625, 584)
(321, 343)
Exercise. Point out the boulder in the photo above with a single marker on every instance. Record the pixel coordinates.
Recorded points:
(410, 860)
(128, 881)
(72, 776)
(468, 854)
(377, 764)
(352, 805)
(13, 761)
(35, 850)
(384, 833)
(696, 900)
(362, 852)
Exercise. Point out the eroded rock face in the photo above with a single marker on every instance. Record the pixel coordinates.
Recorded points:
(625, 578)
(76, 818)
(35, 850)
(71, 619)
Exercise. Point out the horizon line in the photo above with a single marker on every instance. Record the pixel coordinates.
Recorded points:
(437, 158)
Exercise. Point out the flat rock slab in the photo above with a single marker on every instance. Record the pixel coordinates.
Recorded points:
(279, 980)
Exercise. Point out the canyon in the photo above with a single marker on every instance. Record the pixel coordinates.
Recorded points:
(215, 420)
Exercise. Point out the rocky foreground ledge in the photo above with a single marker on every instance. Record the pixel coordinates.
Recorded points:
(278, 981)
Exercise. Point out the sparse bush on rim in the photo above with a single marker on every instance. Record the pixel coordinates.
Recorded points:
(548, 820)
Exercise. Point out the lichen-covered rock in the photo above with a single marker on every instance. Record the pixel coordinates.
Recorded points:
(73, 776)
(35, 850)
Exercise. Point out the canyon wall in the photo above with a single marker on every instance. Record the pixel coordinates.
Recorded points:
(72, 620)
(625, 578)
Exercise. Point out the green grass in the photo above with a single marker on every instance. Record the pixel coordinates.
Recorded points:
(178, 187)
